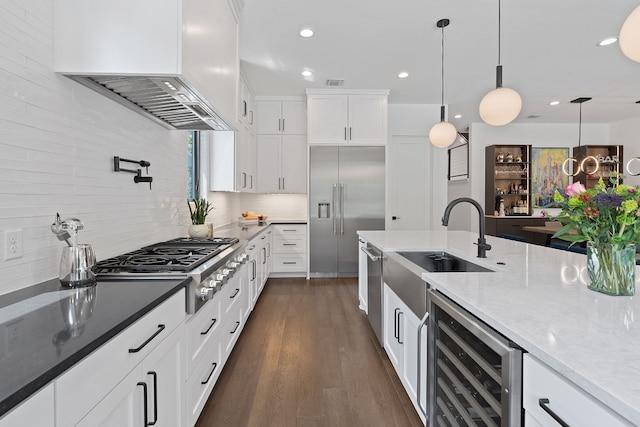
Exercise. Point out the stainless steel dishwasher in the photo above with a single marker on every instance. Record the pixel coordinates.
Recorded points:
(475, 374)
(374, 288)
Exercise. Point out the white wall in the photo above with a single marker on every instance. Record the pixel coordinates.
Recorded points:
(57, 142)
(627, 133)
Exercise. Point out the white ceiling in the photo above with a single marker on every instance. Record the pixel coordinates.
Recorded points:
(549, 53)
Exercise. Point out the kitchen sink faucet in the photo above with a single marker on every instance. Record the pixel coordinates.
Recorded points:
(483, 246)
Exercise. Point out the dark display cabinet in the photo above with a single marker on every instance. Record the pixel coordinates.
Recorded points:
(597, 161)
(508, 180)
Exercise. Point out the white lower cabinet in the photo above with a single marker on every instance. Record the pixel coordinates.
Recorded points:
(547, 394)
(158, 380)
(38, 411)
(289, 248)
(363, 276)
(400, 329)
(103, 390)
(203, 379)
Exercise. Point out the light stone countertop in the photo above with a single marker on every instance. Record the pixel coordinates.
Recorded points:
(539, 299)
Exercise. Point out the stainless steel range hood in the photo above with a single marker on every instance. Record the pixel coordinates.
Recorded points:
(168, 101)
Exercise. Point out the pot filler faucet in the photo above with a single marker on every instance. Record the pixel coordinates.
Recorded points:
(483, 246)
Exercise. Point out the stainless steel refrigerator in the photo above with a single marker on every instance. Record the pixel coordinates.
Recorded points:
(346, 194)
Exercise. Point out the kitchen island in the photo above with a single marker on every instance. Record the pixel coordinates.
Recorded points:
(538, 298)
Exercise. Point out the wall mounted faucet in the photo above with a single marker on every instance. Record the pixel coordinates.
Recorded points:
(138, 178)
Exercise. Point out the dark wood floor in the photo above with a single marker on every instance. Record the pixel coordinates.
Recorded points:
(308, 357)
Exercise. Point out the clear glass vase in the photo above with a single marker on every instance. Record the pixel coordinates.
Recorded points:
(612, 268)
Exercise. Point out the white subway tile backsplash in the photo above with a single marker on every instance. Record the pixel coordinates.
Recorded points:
(57, 142)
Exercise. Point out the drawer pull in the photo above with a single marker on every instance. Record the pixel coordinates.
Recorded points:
(289, 262)
(289, 244)
(544, 404)
(236, 328)
(292, 231)
(143, 345)
(144, 402)
(155, 397)
(235, 293)
(215, 365)
(213, 322)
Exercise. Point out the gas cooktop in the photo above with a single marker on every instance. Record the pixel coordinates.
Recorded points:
(177, 255)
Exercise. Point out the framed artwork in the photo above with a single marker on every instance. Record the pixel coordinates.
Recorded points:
(546, 175)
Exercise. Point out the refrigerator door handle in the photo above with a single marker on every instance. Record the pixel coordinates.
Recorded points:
(342, 209)
(333, 199)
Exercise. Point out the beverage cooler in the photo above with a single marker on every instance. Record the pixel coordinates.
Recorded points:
(475, 374)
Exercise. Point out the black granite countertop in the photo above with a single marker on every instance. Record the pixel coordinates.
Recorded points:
(46, 328)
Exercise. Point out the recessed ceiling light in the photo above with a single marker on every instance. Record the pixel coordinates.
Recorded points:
(554, 103)
(403, 75)
(306, 32)
(608, 41)
(457, 116)
(307, 73)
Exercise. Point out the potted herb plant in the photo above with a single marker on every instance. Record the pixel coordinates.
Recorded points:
(199, 209)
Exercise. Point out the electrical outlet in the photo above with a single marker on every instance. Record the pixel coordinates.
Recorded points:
(12, 244)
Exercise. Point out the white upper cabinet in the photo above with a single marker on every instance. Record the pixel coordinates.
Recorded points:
(282, 117)
(347, 117)
(246, 106)
(195, 40)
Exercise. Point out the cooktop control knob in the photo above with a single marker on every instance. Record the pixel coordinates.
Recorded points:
(221, 277)
(242, 258)
(205, 293)
(233, 265)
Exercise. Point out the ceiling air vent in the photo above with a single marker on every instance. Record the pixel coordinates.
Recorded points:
(534, 116)
(334, 82)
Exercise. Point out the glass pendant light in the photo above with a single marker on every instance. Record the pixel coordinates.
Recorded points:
(442, 134)
(582, 167)
(502, 105)
(629, 38)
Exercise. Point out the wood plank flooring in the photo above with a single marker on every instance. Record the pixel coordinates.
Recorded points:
(308, 358)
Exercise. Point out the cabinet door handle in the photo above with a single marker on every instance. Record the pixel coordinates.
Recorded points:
(244, 180)
(395, 323)
(268, 250)
(253, 263)
(290, 230)
(251, 119)
(544, 404)
(399, 328)
(349, 133)
(144, 402)
(235, 294)
(215, 365)
(282, 125)
(289, 244)
(236, 328)
(137, 349)
(423, 409)
(264, 255)
(289, 262)
(283, 182)
(345, 133)
(155, 397)
(213, 322)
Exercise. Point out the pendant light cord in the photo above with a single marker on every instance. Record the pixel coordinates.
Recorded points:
(499, 30)
(580, 127)
(442, 64)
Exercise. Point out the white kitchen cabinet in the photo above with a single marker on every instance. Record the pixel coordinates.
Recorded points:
(282, 163)
(566, 400)
(401, 341)
(193, 39)
(277, 117)
(204, 378)
(232, 161)
(289, 248)
(158, 379)
(246, 106)
(336, 117)
(264, 268)
(38, 411)
(97, 381)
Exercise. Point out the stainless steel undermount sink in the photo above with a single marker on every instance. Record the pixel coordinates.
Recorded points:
(439, 261)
